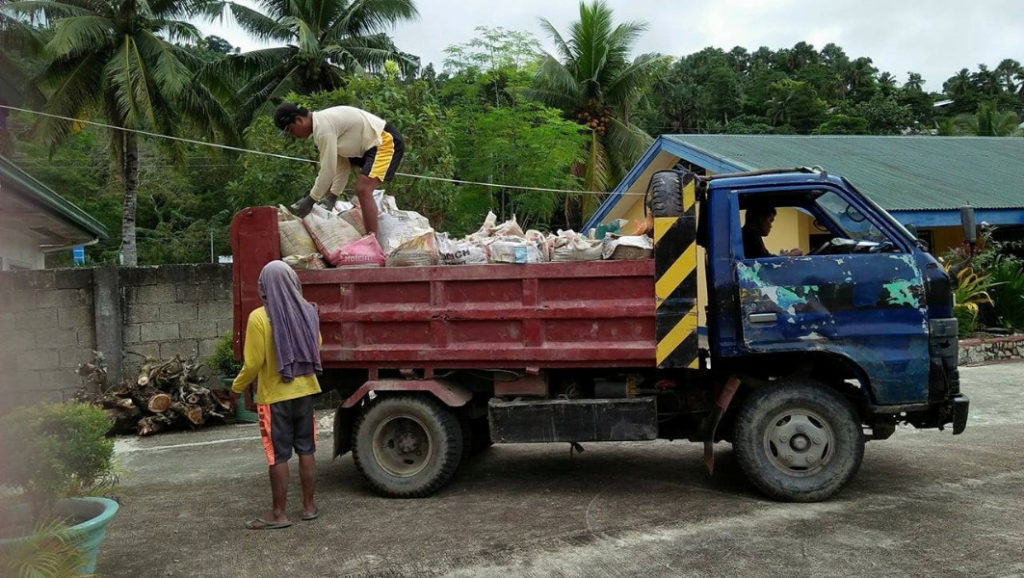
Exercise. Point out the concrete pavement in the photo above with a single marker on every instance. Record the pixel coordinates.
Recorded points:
(923, 503)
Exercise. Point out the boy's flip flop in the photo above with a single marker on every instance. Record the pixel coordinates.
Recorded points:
(307, 516)
(261, 524)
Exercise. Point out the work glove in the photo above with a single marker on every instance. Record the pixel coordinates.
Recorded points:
(303, 206)
(328, 201)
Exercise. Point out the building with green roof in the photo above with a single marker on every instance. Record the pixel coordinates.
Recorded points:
(921, 181)
(35, 220)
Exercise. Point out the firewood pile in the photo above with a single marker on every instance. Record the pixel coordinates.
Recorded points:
(165, 395)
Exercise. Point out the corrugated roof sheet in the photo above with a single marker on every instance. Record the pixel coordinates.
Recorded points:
(899, 173)
(12, 175)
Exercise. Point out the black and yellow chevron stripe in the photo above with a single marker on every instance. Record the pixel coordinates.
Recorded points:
(675, 263)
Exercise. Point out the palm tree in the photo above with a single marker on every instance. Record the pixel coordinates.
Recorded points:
(987, 121)
(961, 89)
(1010, 72)
(116, 56)
(887, 83)
(593, 81)
(324, 40)
(19, 44)
(860, 79)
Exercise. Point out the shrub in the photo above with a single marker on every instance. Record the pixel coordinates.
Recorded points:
(1008, 293)
(54, 451)
(970, 292)
(51, 549)
(222, 360)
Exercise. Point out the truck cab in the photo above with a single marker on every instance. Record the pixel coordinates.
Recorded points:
(867, 305)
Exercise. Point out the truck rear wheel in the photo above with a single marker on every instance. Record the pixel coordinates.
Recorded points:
(799, 442)
(666, 194)
(407, 446)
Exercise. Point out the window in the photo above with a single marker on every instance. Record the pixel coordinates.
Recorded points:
(854, 224)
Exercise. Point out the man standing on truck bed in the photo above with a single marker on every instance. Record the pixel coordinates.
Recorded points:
(345, 136)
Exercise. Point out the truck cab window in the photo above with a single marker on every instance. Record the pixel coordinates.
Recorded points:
(852, 223)
(852, 231)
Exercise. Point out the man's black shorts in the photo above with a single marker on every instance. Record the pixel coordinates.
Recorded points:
(382, 161)
(286, 425)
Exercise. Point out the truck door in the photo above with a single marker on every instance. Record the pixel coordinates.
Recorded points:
(859, 295)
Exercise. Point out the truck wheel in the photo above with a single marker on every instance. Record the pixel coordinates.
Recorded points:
(406, 446)
(799, 442)
(666, 194)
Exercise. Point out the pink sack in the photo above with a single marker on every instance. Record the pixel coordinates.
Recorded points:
(365, 252)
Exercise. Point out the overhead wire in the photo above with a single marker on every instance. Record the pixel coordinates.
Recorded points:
(303, 160)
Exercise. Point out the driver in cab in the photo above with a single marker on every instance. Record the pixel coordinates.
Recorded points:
(758, 224)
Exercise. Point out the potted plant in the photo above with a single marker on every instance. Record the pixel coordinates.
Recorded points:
(56, 455)
(222, 362)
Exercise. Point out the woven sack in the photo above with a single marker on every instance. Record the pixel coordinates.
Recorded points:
(294, 238)
(365, 252)
(305, 262)
(328, 231)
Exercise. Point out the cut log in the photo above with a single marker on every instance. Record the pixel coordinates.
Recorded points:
(195, 415)
(158, 403)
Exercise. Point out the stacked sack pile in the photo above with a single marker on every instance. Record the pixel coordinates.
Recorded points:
(337, 238)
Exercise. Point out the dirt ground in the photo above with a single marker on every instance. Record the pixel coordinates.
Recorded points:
(923, 503)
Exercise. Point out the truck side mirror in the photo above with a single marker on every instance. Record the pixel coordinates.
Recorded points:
(967, 221)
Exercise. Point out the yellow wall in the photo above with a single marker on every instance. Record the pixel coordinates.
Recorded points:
(791, 230)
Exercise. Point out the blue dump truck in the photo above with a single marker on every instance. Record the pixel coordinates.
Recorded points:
(806, 358)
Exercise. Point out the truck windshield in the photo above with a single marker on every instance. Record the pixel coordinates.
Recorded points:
(885, 215)
(854, 224)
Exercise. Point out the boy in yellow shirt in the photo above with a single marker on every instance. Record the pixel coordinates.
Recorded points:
(282, 354)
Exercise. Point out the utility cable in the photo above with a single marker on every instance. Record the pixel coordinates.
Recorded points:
(290, 158)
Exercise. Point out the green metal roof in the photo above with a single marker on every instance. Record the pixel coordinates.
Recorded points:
(12, 175)
(899, 173)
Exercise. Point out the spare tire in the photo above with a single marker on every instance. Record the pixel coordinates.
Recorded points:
(666, 194)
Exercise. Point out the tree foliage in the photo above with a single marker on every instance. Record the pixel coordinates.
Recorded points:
(114, 57)
(500, 112)
(593, 80)
(321, 42)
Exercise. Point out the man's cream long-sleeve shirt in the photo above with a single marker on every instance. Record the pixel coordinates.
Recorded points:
(340, 133)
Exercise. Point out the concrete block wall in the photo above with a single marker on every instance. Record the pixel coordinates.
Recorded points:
(174, 310)
(46, 330)
(53, 320)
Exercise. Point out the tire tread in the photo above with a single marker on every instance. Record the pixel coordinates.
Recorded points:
(451, 456)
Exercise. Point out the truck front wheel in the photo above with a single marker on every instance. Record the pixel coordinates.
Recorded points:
(798, 442)
(407, 446)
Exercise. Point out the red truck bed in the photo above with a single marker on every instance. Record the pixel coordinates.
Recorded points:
(586, 314)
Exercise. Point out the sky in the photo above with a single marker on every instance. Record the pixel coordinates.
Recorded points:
(935, 38)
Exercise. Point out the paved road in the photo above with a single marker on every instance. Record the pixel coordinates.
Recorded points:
(924, 503)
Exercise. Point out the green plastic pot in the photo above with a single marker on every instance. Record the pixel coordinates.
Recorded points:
(96, 513)
(242, 415)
